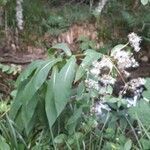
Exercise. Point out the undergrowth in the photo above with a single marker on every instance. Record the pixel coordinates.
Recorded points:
(66, 102)
(78, 101)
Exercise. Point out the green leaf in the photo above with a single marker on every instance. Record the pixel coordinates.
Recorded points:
(28, 111)
(141, 112)
(118, 48)
(3, 144)
(145, 143)
(80, 90)
(50, 107)
(146, 93)
(29, 70)
(63, 84)
(60, 139)
(12, 132)
(5, 68)
(27, 90)
(64, 47)
(17, 101)
(91, 56)
(128, 145)
(71, 124)
(144, 2)
(38, 79)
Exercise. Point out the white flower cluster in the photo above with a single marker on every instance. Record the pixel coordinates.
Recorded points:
(19, 14)
(100, 6)
(105, 62)
(107, 80)
(124, 59)
(135, 41)
(99, 65)
(100, 81)
(136, 87)
(135, 83)
(100, 77)
(92, 84)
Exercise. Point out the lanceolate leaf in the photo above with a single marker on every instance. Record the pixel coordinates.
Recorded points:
(38, 79)
(62, 88)
(27, 90)
(29, 70)
(64, 47)
(17, 101)
(91, 56)
(50, 107)
(28, 111)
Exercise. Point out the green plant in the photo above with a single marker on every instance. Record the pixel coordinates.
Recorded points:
(77, 102)
(10, 69)
(85, 43)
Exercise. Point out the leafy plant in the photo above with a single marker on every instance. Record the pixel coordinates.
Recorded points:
(10, 69)
(77, 104)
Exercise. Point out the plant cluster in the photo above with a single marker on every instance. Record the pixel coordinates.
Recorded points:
(81, 101)
(69, 101)
(10, 69)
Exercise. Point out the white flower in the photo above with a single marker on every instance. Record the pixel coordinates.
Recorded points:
(105, 62)
(135, 41)
(135, 86)
(133, 62)
(124, 59)
(135, 83)
(107, 79)
(92, 84)
(132, 101)
(95, 71)
(125, 73)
